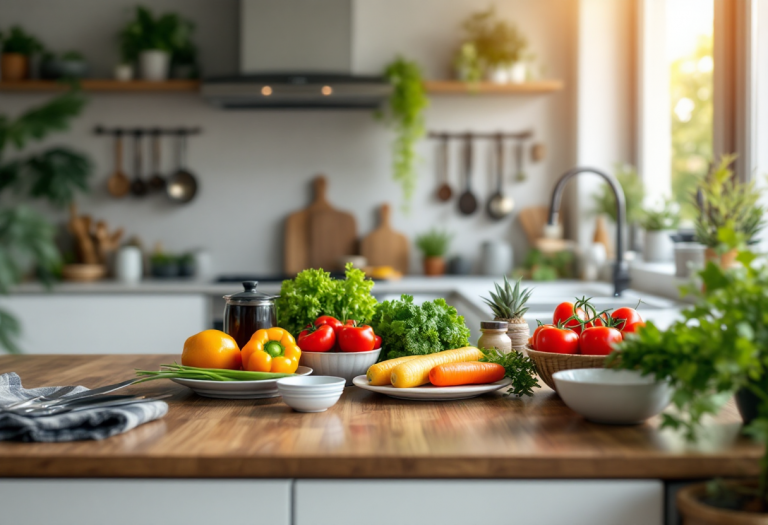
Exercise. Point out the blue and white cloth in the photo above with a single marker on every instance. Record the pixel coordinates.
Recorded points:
(94, 423)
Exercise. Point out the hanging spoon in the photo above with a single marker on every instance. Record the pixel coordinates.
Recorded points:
(118, 184)
(467, 200)
(499, 205)
(444, 191)
(138, 186)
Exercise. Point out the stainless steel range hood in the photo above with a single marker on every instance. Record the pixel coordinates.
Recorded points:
(296, 54)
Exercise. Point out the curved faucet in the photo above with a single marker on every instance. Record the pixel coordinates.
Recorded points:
(620, 272)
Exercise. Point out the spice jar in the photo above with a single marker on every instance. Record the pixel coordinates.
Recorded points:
(495, 336)
(248, 311)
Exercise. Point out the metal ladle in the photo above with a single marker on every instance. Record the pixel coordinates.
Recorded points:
(499, 206)
(467, 200)
(182, 185)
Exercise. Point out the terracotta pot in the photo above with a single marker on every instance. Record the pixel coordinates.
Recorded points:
(726, 260)
(434, 266)
(14, 67)
(695, 512)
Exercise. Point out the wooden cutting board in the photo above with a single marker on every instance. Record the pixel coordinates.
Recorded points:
(318, 235)
(384, 246)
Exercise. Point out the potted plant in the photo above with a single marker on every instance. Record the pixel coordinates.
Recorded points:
(508, 304)
(17, 47)
(152, 41)
(659, 220)
(727, 205)
(719, 349)
(634, 195)
(164, 265)
(434, 245)
(499, 46)
(71, 64)
(186, 263)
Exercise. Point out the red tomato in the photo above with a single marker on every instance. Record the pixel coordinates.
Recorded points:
(629, 315)
(330, 321)
(633, 327)
(532, 340)
(376, 341)
(566, 310)
(599, 340)
(318, 339)
(558, 341)
(602, 320)
(356, 338)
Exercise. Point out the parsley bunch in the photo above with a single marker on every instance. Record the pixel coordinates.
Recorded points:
(518, 367)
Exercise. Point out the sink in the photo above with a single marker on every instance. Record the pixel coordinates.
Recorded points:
(601, 303)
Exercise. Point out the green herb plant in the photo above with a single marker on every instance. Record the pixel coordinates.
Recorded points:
(661, 218)
(405, 114)
(728, 205)
(407, 328)
(540, 266)
(634, 194)
(55, 175)
(434, 243)
(314, 293)
(517, 367)
(497, 42)
(19, 41)
(167, 32)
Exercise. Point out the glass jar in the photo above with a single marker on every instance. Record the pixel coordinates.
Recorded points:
(248, 311)
(495, 336)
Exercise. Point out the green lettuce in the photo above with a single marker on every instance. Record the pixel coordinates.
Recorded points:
(409, 329)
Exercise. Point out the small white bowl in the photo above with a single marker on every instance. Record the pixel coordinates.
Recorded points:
(348, 365)
(311, 393)
(612, 397)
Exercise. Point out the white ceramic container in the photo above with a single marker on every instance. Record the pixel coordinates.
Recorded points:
(129, 265)
(340, 364)
(154, 65)
(658, 246)
(496, 258)
(518, 72)
(124, 72)
(689, 257)
(613, 397)
(311, 394)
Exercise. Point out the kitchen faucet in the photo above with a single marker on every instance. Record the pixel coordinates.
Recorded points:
(620, 271)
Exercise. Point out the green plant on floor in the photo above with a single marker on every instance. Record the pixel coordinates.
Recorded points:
(634, 194)
(719, 348)
(167, 32)
(663, 216)
(728, 205)
(497, 42)
(19, 41)
(405, 114)
(54, 175)
(434, 243)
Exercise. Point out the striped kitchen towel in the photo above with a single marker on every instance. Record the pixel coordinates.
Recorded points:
(95, 423)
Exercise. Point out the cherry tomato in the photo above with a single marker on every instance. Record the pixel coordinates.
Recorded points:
(321, 338)
(602, 320)
(566, 310)
(558, 341)
(629, 315)
(632, 328)
(330, 321)
(376, 341)
(599, 340)
(356, 338)
(532, 340)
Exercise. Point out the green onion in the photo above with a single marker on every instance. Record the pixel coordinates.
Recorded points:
(176, 371)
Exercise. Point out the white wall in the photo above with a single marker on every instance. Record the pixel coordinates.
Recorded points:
(254, 166)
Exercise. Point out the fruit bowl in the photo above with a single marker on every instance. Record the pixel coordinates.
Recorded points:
(340, 364)
(548, 363)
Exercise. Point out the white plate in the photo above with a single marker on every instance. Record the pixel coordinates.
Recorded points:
(237, 389)
(432, 393)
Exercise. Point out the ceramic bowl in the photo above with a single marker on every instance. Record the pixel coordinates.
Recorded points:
(311, 393)
(340, 364)
(613, 397)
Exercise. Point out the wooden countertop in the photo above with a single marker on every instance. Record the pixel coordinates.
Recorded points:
(365, 435)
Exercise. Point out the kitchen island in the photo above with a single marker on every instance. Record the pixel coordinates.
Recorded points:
(518, 442)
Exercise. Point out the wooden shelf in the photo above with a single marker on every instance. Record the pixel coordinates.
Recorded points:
(454, 87)
(107, 85)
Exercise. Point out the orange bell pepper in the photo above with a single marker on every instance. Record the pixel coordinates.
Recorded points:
(271, 350)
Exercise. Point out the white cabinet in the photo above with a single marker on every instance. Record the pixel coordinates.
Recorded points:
(481, 502)
(64, 323)
(128, 502)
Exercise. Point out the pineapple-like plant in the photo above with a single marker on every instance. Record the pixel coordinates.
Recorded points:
(508, 304)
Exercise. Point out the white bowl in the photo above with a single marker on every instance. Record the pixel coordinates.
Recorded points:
(318, 394)
(340, 364)
(613, 397)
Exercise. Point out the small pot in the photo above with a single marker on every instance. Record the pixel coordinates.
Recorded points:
(154, 65)
(123, 72)
(696, 512)
(434, 266)
(498, 74)
(518, 73)
(689, 257)
(658, 246)
(14, 67)
(725, 261)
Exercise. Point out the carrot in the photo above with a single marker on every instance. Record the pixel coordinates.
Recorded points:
(466, 373)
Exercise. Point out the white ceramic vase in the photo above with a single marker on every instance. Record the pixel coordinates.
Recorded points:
(496, 258)
(128, 265)
(658, 246)
(517, 73)
(498, 74)
(154, 65)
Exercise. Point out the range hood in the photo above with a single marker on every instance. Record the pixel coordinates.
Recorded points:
(296, 54)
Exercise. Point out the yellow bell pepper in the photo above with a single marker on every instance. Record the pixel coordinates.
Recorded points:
(271, 350)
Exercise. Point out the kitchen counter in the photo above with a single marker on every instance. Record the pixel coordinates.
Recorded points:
(365, 435)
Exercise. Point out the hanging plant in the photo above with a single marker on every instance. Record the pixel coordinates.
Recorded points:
(405, 114)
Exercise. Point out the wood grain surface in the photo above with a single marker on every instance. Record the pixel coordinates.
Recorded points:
(365, 435)
(384, 246)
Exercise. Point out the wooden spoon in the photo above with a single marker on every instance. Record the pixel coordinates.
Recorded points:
(118, 184)
(444, 191)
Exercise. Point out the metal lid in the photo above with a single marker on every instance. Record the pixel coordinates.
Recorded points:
(250, 295)
(494, 325)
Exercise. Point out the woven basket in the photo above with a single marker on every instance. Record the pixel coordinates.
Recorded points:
(548, 363)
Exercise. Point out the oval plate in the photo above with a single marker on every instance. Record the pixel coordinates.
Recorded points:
(237, 389)
(432, 393)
